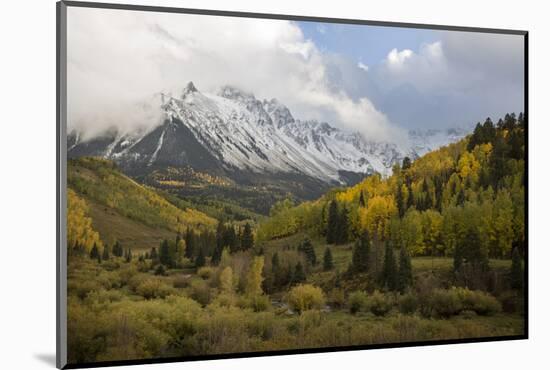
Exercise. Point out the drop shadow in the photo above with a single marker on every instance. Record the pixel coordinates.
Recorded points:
(47, 358)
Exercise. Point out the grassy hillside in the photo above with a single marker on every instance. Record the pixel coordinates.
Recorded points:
(113, 226)
(122, 209)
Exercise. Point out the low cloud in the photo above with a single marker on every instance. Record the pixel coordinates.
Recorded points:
(118, 60)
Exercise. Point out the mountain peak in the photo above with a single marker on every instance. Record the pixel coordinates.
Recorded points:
(189, 89)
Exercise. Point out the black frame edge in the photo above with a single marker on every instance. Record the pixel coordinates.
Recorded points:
(61, 188)
(243, 14)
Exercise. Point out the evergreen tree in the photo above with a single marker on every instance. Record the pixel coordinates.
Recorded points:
(476, 138)
(427, 197)
(275, 262)
(306, 247)
(516, 273)
(458, 257)
(404, 276)
(399, 200)
(509, 121)
(160, 270)
(94, 252)
(154, 255)
(105, 255)
(200, 261)
(217, 254)
(361, 254)
(118, 251)
(438, 184)
(521, 121)
(164, 253)
(461, 197)
(190, 243)
(472, 250)
(247, 239)
(332, 223)
(406, 163)
(497, 160)
(230, 239)
(129, 255)
(489, 131)
(343, 227)
(177, 252)
(516, 140)
(388, 276)
(299, 274)
(327, 260)
(410, 198)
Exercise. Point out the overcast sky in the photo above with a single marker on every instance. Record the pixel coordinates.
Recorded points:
(381, 81)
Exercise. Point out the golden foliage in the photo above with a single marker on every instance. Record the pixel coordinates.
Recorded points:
(79, 224)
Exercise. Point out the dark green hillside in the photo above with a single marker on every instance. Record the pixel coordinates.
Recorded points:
(248, 198)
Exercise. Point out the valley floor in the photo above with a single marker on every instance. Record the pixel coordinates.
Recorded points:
(121, 310)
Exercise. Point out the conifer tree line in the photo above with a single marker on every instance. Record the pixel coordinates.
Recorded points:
(395, 273)
(282, 275)
(337, 223)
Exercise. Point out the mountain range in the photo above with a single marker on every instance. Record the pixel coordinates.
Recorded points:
(233, 134)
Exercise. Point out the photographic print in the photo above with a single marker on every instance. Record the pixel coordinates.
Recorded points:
(242, 184)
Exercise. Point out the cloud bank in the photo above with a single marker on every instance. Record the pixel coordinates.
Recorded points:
(456, 81)
(118, 59)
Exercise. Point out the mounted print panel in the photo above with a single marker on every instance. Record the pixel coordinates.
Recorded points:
(235, 184)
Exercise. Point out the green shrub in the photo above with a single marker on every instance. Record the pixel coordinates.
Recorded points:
(154, 288)
(337, 298)
(200, 291)
(468, 314)
(358, 302)
(82, 288)
(160, 270)
(259, 303)
(306, 297)
(480, 302)
(379, 303)
(408, 303)
(445, 303)
(256, 303)
(104, 297)
(310, 319)
(136, 280)
(224, 300)
(262, 325)
(205, 272)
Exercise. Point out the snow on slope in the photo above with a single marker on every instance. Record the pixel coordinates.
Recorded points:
(245, 133)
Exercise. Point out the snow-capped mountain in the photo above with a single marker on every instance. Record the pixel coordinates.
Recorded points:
(232, 131)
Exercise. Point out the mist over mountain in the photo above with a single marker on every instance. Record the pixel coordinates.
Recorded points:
(232, 133)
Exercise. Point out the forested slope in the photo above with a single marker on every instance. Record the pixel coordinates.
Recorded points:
(467, 197)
